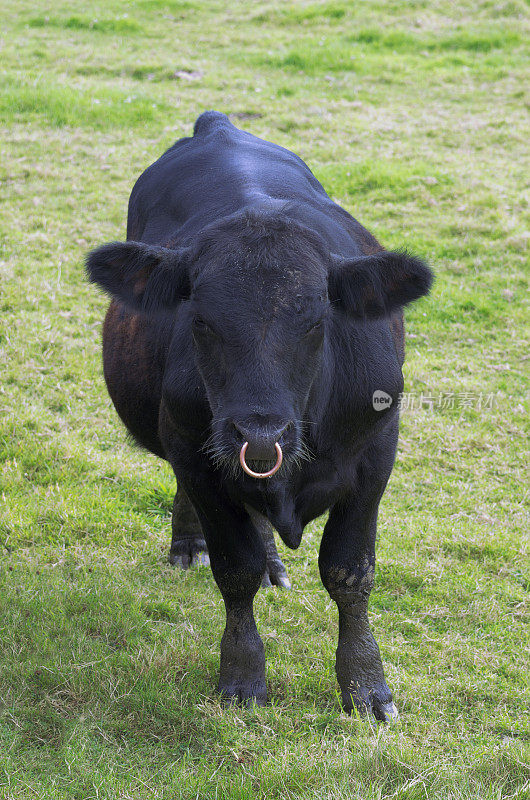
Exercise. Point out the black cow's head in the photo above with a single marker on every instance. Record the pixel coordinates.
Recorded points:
(260, 289)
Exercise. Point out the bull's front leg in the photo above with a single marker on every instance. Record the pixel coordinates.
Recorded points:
(238, 559)
(346, 561)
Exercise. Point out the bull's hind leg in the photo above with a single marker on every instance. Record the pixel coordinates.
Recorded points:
(188, 545)
(275, 574)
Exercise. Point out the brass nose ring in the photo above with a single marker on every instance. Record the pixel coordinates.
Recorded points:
(268, 474)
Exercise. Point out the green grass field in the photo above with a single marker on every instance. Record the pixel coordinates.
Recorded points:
(413, 117)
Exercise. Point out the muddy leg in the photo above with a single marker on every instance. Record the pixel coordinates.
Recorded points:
(347, 562)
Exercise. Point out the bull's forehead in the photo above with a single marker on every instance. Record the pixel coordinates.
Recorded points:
(276, 290)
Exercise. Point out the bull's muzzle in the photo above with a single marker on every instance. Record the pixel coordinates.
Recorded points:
(268, 474)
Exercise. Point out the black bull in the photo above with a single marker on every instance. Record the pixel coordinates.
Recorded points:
(248, 307)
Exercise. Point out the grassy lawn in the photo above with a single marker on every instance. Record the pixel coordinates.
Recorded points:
(412, 115)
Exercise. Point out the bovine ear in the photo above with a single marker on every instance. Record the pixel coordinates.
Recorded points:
(376, 285)
(145, 278)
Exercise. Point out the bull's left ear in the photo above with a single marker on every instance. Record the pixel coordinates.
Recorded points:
(376, 285)
(145, 278)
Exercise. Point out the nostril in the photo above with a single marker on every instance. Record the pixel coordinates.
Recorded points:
(266, 435)
(242, 433)
(262, 437)
(283, 430)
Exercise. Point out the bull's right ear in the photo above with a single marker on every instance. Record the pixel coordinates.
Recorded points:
(146, 278)
(376, 285)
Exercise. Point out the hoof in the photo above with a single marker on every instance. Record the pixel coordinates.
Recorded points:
(375, 703)
(385, 712)
(243, 694)
(186, 555)
(276, 575)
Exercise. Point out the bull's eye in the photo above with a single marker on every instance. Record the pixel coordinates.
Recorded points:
(316, 328)
(200, 326)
